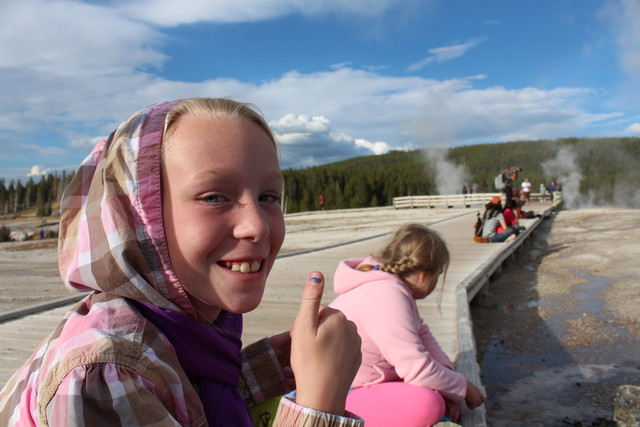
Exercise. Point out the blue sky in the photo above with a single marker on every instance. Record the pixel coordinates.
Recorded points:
(335, 79)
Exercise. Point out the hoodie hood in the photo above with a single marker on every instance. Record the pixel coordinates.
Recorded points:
(347, 277)
(112, 236)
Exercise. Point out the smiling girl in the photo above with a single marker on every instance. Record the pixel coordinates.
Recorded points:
(173, 225)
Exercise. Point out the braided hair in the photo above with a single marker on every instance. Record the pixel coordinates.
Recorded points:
(412, 248)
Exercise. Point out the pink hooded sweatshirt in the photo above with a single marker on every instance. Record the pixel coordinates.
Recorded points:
(396, 344)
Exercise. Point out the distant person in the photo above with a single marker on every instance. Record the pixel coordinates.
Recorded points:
(517, 209)
(509, 176)
(511, 214)
(464, 189)
(322, 202)
(405, 378)
(552, 190)
(543, 192)
(471, 189)
(525, 190)
(172, 225)
(492, 219)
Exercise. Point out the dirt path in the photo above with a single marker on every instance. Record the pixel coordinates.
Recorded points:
(558, 331)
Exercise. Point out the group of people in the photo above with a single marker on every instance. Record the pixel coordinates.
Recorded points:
(510, 175)
(173, 224)
(500, 222)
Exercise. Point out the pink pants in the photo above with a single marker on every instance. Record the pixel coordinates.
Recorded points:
(396, 404)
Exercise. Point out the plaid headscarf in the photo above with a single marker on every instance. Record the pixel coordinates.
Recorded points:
(111, 229)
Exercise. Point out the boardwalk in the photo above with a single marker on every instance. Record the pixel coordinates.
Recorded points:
(472, 265)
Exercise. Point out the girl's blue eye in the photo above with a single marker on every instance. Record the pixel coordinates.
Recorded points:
(213, 198)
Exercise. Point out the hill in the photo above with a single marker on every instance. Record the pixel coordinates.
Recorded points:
(593, 171)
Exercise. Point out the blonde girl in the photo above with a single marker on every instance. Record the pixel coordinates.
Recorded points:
(405, 378)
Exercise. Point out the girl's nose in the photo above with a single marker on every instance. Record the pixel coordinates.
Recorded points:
(250, 222)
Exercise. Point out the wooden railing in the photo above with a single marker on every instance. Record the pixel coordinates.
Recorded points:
(455, 200)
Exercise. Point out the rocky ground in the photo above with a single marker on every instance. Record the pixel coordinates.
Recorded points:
(558, 330)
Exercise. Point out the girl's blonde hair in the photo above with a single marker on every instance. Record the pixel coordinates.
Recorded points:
(414, 247)
(215, 108)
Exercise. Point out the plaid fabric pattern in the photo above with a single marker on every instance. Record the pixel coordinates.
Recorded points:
(111, 231)
(104, 365)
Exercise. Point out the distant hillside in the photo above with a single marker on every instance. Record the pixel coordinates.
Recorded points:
(600, 171)
(591, 171)
(359, 182)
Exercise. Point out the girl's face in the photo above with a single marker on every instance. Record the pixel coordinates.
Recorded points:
(221, 186)
(421, 283)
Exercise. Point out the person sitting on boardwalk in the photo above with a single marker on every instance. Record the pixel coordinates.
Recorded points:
(511, 217)
(173, 224)
(405, 378)
(492, 219)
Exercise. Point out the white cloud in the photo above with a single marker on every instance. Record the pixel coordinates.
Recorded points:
(64, 58)
(69, 38)
(625, 21)
(172, 13)
(446, 53)
(634, 128)
(38, 170)
(407, 112)
(308, 141)
(345, 64)
(378, 147)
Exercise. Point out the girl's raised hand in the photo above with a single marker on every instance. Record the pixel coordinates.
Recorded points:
(325, 351)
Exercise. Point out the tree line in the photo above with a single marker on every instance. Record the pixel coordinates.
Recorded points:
(42, 194)
(601, 164)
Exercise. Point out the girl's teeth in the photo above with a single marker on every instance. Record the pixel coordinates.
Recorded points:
(245, 267)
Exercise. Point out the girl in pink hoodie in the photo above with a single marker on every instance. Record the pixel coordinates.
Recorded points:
(405, 378)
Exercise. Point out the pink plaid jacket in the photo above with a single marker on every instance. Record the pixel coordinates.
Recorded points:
(105, 364)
